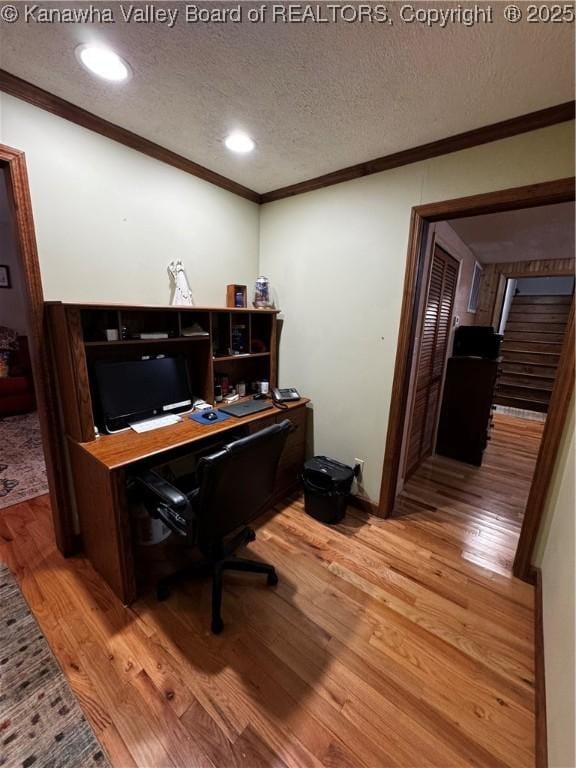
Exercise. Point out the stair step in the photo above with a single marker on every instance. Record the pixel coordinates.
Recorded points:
(513, 327)
(534, 347)
(519, 315)
(535, 327)
(528, 335)
(517, 402)
(540, 370)
(560, 300)
(526, 381)
(523, 391)
(531, 338)
(513, 355)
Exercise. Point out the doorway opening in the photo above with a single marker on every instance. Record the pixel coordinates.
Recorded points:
(533, 316)
(22, 463)
(476, 411)
(27, 269)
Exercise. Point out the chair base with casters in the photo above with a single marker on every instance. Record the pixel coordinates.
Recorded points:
(235, 485)
(227, 563)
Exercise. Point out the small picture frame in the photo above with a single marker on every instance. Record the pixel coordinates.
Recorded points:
(5, 276)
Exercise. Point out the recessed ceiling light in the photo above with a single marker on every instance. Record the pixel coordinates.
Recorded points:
(239, 142)
(103, 62)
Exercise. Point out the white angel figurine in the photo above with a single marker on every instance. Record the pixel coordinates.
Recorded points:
(182, 295)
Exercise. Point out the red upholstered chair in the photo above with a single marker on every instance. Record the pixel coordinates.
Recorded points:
(17, 390)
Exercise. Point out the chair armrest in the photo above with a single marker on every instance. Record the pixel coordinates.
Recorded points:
(168, 502)
(164, 491)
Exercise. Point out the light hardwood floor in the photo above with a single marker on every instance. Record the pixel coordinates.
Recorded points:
(477, 510)
(386, 643)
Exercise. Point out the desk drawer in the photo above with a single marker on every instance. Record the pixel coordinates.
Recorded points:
(298, 419)
(294, 452)
(256, 426)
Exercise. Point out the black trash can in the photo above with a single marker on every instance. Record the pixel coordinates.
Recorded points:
(327, 485)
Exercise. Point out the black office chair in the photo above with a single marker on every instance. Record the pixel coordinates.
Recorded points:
(234, 485)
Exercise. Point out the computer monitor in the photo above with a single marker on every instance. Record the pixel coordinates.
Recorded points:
(130, 391)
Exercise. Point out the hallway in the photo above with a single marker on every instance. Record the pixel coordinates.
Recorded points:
(476, 512)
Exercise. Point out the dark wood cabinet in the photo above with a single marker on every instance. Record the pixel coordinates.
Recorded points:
(464, 428)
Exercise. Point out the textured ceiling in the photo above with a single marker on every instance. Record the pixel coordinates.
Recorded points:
(315, 97)
(534, 233)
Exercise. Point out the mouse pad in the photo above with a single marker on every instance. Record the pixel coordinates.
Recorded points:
(206, 422)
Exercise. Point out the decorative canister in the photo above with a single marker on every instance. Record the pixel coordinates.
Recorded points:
(262, 294)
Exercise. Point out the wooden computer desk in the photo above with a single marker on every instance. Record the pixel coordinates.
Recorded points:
(98, 467)
(101, 469)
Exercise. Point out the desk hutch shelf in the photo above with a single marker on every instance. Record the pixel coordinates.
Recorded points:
(239, 344)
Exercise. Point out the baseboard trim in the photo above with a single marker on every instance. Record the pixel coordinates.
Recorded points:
(364, 505)
(539, 672)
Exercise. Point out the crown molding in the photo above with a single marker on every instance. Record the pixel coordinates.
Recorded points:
(22, 89)
(543, 118)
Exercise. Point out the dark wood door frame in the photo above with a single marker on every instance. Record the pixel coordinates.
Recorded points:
(14, 163)
(531, 196)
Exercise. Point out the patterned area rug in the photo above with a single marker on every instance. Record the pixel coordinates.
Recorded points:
(22, 467)
(41, 723)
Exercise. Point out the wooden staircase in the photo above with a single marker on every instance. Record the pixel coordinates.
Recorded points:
(531, 351)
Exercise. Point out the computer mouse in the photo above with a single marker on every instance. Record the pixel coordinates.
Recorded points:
(210, 416)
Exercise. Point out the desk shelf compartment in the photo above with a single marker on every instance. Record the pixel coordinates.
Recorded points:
(190, 319)
(78, 338)
(95, 323)
(248, 368)
(136, 322)
(220, 333)
(240, 333)
(262, 333)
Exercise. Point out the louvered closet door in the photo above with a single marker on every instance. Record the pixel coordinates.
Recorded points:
(432, 357)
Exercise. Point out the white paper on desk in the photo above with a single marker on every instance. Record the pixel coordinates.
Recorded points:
(148, 424)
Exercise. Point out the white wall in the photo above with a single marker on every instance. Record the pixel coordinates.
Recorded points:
(337, 257)
(13, 308)
(109, 219)
(555, 556)
(453, 244)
